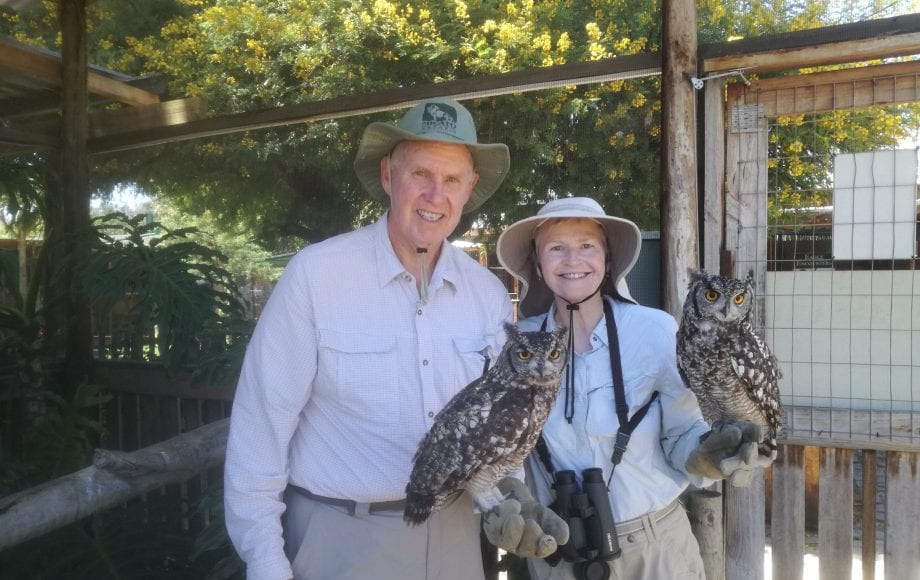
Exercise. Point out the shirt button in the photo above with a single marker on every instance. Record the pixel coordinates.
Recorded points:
(594, 338)
(419, 311)
(631, 538)
(431, 413)
(425, 363)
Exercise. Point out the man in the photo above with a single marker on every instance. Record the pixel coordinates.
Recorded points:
(366, 336)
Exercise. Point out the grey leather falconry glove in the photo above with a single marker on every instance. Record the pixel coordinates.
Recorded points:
(729, 451)
(522, 526)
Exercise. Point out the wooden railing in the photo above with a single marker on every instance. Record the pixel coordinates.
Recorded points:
(846, 484)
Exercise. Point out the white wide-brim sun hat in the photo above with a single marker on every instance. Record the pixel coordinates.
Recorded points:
(438, 119)
(517, 254)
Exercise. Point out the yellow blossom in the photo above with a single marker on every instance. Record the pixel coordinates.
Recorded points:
(564, 43)
(592, 31)
(461, 11)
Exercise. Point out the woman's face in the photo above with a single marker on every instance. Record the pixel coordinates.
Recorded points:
(572, 257)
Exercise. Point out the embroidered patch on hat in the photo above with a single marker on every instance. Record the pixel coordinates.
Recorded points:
(439, 118)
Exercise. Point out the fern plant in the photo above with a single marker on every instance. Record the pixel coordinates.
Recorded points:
(184, 306)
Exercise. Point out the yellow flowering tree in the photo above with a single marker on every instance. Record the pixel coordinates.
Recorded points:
(296, 182)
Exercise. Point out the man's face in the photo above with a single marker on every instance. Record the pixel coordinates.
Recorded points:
(428, 182)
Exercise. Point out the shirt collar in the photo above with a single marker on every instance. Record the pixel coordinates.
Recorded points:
(389, 268)
(598, 334)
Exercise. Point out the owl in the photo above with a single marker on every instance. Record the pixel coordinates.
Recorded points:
(489, 427)
(723, 361)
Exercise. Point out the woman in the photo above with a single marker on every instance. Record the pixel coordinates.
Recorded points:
(571, 259)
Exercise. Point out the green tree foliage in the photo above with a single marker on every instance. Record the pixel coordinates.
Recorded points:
(294, 184)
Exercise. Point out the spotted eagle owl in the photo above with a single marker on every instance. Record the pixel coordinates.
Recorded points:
(723, 361)
(488, 428)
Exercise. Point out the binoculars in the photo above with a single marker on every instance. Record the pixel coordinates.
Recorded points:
(592, 530)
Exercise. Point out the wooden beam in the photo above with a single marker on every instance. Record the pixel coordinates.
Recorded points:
(900, 33)
(713, 206)
(885, 84)
(35, 63)
(624, 67)
(165, 114)
(28, 140)
(847, 43)
(819, 55)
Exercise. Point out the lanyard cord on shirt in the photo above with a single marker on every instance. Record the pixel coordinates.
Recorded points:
(627, 424)
(570, 367)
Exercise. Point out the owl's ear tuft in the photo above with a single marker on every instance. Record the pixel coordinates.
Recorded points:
(749, 279)
(511, 330)
(560, 332)
(696, 275)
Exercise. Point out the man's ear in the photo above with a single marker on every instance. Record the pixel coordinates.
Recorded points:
(385, 173)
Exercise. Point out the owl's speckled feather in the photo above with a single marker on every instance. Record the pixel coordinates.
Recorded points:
(722, 359)
(488, 428)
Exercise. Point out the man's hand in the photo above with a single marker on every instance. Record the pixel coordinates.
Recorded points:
(522, 526)
(729, 451)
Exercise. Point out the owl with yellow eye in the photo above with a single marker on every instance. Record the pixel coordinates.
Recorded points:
(488, 428)
(723, 360)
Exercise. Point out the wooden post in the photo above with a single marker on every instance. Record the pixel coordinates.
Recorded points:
(679, 217)
(704, 508)
(745, 239)
(787, 514)
(68, 200)
(679, 230)
(902, 512)
(868, 514)
(835, 508)
(745, 530)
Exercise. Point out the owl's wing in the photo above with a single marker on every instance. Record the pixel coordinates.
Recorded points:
(759, 371)
(477, 427)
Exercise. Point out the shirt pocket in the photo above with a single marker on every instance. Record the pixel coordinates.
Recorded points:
(601, 419)
(361, 368)
(471, 352)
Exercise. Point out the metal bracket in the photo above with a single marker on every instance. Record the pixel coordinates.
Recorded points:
(698, 83)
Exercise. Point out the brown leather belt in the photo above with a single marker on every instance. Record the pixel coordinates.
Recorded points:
(353, 507)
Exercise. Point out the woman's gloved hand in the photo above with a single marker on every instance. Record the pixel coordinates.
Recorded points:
(522, 526)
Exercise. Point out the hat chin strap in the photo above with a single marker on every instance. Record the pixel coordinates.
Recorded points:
(569, 371)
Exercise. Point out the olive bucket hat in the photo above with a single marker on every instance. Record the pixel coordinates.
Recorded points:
(438, 119)
(517, 254)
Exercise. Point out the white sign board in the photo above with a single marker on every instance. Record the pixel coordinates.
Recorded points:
(875, 205)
